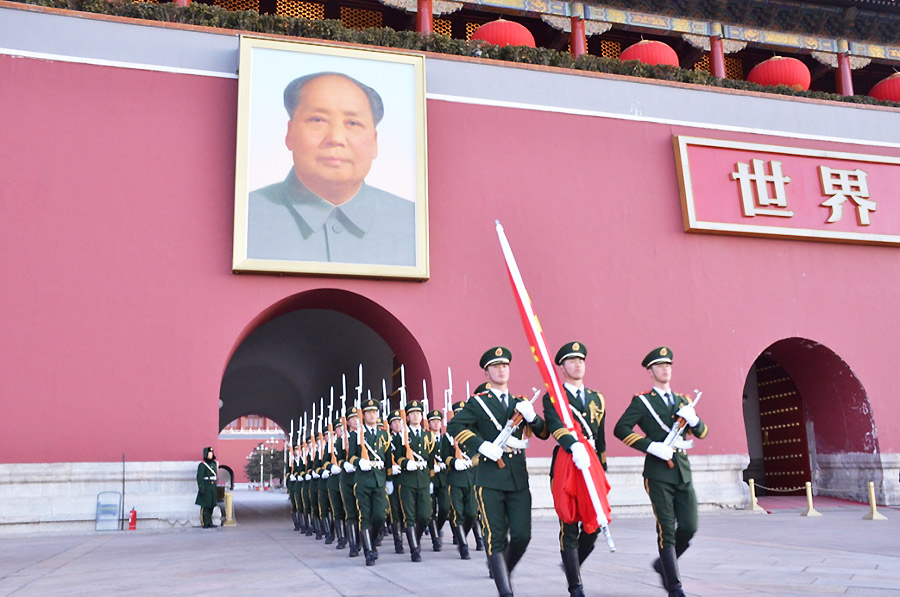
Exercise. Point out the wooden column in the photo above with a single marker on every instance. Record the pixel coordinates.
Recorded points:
(577, 38)
(716, 57)
(424, 18)
(843, 75)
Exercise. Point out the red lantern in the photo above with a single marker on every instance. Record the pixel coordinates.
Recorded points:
(504, 33)
(650, 52)
(888, 89)
(781, 70)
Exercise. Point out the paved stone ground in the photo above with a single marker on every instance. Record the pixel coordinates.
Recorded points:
(734, 553)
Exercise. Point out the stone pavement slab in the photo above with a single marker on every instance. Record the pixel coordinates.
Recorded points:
(734, 553)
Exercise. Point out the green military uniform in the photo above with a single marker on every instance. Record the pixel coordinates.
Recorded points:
(332, 474)
(503, 494)
(371, 498)
(588, 411)
(415, 483)
(294, 486)
(395, 512)
(304, 473)
(460, 491)
(670, 489)
(348, 497)
(440, 500)
(207, 480)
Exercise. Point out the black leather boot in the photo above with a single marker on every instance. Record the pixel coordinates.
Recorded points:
(512, 558)
(460, 542)
(436, 543)
(340, 530)
(366, 537)
(295, 516)
(398, 538)
(573, 572)
(500, 574)
(320, 528)
(379, 537)
(453, 534)
(413, 541)
(669, 562)
(479, 540)
(353, 539)
(307, 524)
(329, 530)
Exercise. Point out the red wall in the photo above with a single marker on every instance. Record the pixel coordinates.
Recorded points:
(119, 310)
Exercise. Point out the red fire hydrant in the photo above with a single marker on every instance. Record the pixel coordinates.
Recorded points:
(132, 520)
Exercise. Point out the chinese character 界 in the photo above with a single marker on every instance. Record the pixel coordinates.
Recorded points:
(755, 197)
(841, 185)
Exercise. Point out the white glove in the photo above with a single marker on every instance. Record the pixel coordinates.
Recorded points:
(364, 464)
(325, 474)
(335, 469)
(316, 475)
(348, 466)
(660, 450)
(437, 467)
(524, 407)
(431, 488)
(395, 470)
(308, 477)
(490, 451)
(291, 477)
(516, 443)
(389, 487)
(460, 464)
(580, 456)
(687, 413)
(411, 465)
(379, 464)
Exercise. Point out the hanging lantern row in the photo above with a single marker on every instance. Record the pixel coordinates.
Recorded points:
(778, 70)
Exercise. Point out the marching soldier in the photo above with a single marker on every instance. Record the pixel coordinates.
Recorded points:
(588, 410)
(393, 484)
(439, 496)
(322, 466)
(207, 480)
(332, 474)
(369, 458)
(416, 461)
(305, 475)
(667, 472)
(348, 478)
(460, 493)
(501, 478)
(294, 486)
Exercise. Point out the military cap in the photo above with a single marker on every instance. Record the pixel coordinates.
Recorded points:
(414, 406)
(394, 416)
(663, 354)
(436, 414)
(351, 412)
(338, 422)
(483, 387)
(495, 356)
(572, 349)
(458, 406)
(370, 404)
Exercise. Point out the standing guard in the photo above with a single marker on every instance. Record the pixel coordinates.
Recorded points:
(667, 471)
(588, 410)
(207, 492)
(501, 478)
(369, 457)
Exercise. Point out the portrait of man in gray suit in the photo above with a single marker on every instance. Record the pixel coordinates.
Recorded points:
(323, 210)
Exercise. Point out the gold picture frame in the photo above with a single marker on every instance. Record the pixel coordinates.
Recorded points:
(333, 119)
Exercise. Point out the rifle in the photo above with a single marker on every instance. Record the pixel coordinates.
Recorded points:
(409, 450)
(346, 436)
(361, 434)
(678, 429)
(331, 427)
(511, 425)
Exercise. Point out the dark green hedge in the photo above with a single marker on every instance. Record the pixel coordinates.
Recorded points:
(251, 21)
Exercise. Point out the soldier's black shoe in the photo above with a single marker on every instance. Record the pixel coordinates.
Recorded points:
(669, 562)
(398, 538)
(340, 529)
(415, 554)
(453, 534)
(366, 538)
(461, 544)
(353, 538)
(479, 540)
(379, 537)
(573, 572)
(319, 526)
(296, 518)
(436, 543)
(329, 531)
(500, 574)
(657, 567)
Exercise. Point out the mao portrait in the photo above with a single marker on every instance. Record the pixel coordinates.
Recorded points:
(336, 185)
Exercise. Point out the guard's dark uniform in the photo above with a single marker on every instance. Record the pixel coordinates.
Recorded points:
(440, 501)
(348, 497)
(332, 470)
(503, 494)
(588, 411)
(393, 477)
(670, 489)
(415, 485)
(207, 480)
(371, 497)
(460, 489)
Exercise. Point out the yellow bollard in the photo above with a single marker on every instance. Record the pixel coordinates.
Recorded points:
(873, 515)
(229, 511)
(754, 505)
(810, 511)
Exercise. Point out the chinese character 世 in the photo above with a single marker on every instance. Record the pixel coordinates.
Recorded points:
(755, 197)
(841, 185)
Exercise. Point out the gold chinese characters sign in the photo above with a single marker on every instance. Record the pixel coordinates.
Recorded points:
(731, 187)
